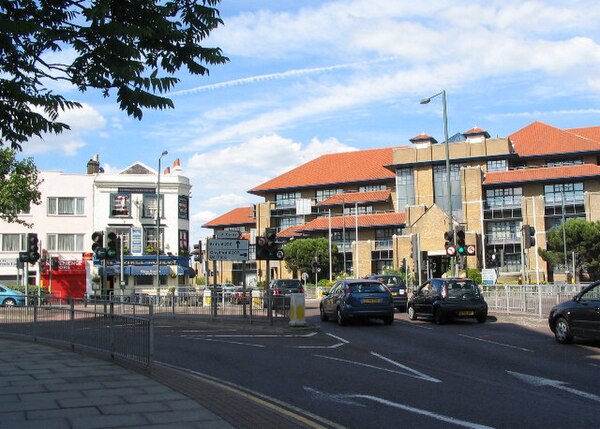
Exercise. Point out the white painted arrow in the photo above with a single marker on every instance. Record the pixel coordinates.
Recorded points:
(557, 384)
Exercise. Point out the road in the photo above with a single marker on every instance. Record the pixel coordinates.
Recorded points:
(410, 374)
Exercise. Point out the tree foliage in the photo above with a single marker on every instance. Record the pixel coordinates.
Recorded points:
(132, 47)
(300, 254)
(18, 186)
(583, 238)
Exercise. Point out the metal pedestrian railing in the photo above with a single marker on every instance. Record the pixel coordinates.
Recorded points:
(95, 325)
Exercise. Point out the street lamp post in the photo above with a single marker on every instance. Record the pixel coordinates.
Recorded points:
(164, 152)
(448, 181)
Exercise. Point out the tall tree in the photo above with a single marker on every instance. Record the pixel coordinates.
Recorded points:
(131, 47)
(583, 238)
(18, 186)
(300, 254)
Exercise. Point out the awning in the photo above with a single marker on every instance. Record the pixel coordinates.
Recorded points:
(148, 270)
(183, 271)
(111, 270)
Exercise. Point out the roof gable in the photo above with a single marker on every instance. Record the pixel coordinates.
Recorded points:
(138, 168)
(538, 139)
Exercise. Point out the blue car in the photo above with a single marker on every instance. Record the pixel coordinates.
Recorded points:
(364, 299)
(11, 297)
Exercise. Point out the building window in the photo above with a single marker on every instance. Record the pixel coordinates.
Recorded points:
(286, 222)
(368, 188)
(323, 194)
(561, 162)
(287, 199)
(351, 210)
(184, 242)
(64, 242)
(563, 193)
(497, 165)
(405, 187)
(150, 239)
(120, 205)
(183, 211)
(440, 188)
(149, 206)
(13, 242)
(503, 197)
(503, 232)
(65, 206)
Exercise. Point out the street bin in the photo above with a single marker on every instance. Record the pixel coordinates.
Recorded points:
(297, 304)
(206, 298)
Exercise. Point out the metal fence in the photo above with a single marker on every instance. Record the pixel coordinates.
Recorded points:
(535, 300)
(89, 324)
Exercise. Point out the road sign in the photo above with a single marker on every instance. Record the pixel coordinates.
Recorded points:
(227, 249)
(451, 251)
(471, 250)
(232, 235)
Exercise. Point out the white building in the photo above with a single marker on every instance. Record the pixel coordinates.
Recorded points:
(74, 206)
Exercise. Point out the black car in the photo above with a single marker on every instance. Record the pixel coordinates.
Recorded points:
(579, 317)
(281, 290)
(362, 298)
(397, 286)
(441, 299)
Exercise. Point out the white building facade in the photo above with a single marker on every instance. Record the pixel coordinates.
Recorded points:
(74, 206)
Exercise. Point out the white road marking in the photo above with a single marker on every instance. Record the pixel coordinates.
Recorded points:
(541, 381)
(229, 342)
(415, 372)
(366, 365)
(348, 399)
(333, 346)
(496, 343)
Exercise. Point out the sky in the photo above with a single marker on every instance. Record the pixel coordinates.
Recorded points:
(312, 77)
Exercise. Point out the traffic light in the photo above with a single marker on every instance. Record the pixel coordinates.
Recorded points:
(112, 246)
(449, 243)
(461, 247)
(528, 236)
(32, 248)
(54, 263)
(197, 252)
(267, 248)
(491, 259)
(98, 244)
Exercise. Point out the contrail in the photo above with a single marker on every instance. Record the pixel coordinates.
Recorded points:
(272, 76)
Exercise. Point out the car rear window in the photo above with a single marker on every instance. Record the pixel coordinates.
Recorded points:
(459, 287)
(366, 288)
(288, 284)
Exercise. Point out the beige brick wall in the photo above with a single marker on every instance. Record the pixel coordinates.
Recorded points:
(592, 206)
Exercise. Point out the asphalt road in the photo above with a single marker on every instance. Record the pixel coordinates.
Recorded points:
(411, 374)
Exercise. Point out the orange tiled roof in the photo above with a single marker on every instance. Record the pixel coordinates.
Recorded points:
(356, 197)
(331, 169)
(422, 137)
(238, 216)
(538, 139)
(592, 133)
(476, 130)
(338, 222)
(542, 173)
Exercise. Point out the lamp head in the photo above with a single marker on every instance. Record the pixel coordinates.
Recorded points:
(164, 152)
(425, 100)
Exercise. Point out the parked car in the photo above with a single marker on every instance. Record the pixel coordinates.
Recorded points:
(441, 299)
(281, 290)
(11, 297)
(397, 286)
(360, 298)
(240, 296)
(227, 291)
(579, 317)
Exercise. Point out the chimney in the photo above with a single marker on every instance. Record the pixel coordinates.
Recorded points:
(93, 165)
(177, 170)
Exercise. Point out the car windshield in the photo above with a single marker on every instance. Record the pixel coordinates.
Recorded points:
(366, 288)
(390, 280)
(288, 283)
(460, 287)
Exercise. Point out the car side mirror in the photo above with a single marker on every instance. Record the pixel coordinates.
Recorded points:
(326, 293)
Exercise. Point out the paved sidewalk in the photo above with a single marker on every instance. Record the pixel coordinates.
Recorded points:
(47, 387)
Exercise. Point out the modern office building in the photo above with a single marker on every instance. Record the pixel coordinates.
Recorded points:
(74, 206)
(389, 208)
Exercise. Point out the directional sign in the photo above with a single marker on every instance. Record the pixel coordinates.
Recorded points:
(228, 234)
(227, 250)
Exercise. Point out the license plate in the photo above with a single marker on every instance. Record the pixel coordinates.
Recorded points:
(371, 300)
(466, 313)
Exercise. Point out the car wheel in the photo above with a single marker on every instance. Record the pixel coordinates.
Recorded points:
(412, 314)
(324, 316)
(388, 320)
(562, 331)
(341, 320)
(438, 316)
(481, 318)
(9, 302)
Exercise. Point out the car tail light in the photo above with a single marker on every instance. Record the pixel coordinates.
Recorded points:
(276, 292)
(300, 289)
(444, 291)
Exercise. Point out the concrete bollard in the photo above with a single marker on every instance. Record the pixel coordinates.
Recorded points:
(207, 300)
(297, 310)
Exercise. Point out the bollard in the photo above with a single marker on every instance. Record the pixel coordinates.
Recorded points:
(297, 310)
